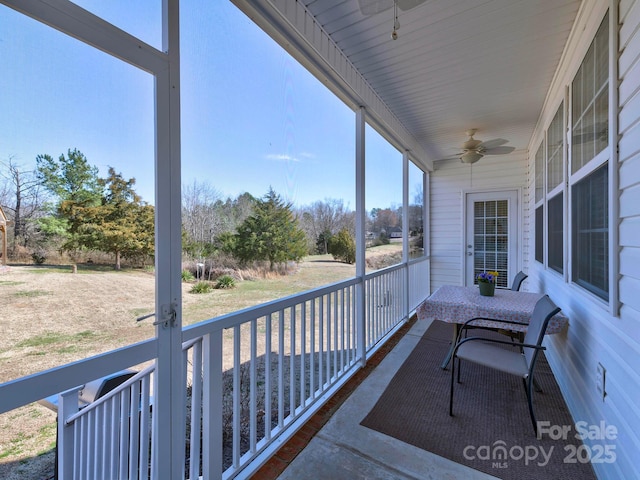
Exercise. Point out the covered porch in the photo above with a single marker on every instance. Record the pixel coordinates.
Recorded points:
(436, 80)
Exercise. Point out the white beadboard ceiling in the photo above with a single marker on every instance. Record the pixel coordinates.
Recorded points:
(457, 64)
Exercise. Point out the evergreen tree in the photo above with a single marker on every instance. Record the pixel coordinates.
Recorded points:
(343, 247)
(271, 233)
(76, 185)
(122, 224)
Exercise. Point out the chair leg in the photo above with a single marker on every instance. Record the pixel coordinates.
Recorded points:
(528, 385)
(453, 368)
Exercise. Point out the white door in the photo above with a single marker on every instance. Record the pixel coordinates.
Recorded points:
(491, 235)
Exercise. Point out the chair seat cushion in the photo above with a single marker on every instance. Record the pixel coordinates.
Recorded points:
(494, 356)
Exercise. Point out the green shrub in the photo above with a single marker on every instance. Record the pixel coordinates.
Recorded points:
(201, 287)
(342, 246)
(187, 276)
(225, 281)
(38, 258)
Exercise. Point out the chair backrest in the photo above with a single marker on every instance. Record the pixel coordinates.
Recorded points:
(517, 281)
(542, 313)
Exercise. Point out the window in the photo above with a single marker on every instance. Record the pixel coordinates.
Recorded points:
(416, 212)
(555, 233)
(555, 146)
(539, 187)
(539, 234)
(590, 101)
(539, 166)
(555, 181)
(590, 247)
(590, 189)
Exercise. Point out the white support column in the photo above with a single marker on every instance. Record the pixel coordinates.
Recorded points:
(361, 215)
(426, 217)
(168, 460)
(405, 232)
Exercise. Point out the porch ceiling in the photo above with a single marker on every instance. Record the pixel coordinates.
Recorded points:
(457, 64)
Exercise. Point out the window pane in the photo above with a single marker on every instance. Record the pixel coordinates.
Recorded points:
(590, 215)
(539, 165)
(80, 107)
(590, 101)
(383, 180)
(556, 258)
(555, 147)
(491, 238)
(416, 225)
(539, 234)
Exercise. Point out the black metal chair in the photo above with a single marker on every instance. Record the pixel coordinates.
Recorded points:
(518, 360)
(517, 280)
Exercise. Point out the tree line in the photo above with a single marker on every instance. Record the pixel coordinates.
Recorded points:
(63, 205)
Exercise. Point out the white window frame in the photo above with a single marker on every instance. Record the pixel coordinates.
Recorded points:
(607, 156)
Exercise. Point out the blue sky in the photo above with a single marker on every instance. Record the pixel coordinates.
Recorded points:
(252, 118)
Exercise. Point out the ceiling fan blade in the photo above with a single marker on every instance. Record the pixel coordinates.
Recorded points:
(451, 157)
(371, 7)
(498, 151)
(409, 4)
(496, 142)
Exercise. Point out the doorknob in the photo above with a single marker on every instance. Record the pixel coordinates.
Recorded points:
(470, 254)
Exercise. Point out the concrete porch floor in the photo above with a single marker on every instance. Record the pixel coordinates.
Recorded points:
(333, 445)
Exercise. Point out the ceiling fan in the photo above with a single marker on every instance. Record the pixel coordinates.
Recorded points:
(473, 150)
(371, 7)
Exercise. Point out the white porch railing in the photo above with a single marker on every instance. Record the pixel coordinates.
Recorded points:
(253, 378)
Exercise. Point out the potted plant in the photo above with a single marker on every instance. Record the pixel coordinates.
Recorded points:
(487, 283)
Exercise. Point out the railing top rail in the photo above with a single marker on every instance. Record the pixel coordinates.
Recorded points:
(413, 261)
(384, 271)
(32, 388)
(250, 313)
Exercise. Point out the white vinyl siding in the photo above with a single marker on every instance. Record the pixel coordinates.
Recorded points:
(598, 333)
(448, 183)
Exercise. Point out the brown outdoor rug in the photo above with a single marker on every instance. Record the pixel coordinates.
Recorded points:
(491, 429)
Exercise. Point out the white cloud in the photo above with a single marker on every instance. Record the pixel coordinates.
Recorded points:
(282, 157)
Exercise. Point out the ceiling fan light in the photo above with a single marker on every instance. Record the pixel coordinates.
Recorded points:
(471, 157)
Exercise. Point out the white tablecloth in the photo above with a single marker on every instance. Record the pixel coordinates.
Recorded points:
(456, 304)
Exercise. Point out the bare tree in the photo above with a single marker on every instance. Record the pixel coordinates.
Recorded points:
(322, 219)
(198, 211)
(24, 188)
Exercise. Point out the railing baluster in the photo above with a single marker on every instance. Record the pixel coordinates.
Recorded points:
(312, 352)
(145, 429)
(292, 363)
(124, 437)
(336, 344)
(329, 342)
(321, 345)
(303, 352)
(196, 411)
(236, 395)
(281, 369)
(267, 379)
(253, 416)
